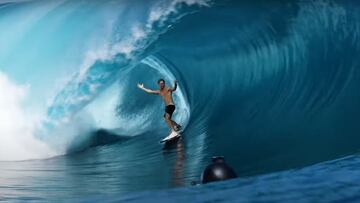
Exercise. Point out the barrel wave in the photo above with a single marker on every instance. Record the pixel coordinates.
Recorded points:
(270, 85)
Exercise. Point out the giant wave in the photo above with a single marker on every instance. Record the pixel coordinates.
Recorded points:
(270, 89)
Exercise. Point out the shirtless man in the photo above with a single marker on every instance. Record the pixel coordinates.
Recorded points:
(166, 94)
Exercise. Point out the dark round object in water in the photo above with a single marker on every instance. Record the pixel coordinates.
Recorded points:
(218, 170)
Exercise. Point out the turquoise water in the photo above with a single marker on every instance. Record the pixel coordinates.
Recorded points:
(272, 86)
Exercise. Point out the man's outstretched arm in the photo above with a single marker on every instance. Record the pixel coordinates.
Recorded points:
(141, 86)
(175, 86)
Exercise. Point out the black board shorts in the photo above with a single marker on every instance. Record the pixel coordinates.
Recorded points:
(169, 109)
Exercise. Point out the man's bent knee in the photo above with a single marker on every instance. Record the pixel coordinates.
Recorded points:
(167, 116)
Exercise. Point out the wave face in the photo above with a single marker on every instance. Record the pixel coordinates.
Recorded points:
(70, 69)
(271, 88)
(271, 85)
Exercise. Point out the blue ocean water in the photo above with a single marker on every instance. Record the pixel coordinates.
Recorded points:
(270, 85)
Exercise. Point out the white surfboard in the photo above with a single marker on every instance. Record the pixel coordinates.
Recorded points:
(173, 135)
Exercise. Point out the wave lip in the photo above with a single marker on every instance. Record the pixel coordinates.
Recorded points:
(67, 75)
(103, 67)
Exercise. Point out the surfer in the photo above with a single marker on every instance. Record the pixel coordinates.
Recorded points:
(166, 94)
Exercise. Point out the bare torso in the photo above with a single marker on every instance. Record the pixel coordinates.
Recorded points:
(166, 94)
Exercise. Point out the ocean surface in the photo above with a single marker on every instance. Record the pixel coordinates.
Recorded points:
(273, 86)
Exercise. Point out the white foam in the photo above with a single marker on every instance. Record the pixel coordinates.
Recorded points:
(17, 141)
(160, 13)
(72, 133)
(139, 35)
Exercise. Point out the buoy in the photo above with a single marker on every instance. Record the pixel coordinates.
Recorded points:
(218, 170)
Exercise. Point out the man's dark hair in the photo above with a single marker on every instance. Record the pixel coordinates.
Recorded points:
(161, 80)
